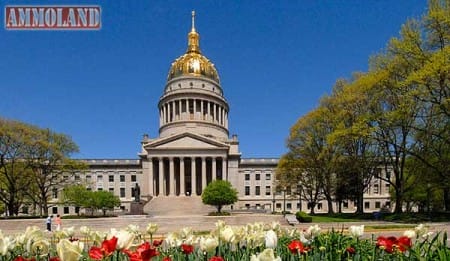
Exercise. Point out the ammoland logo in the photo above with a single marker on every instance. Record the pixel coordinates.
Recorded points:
(58, 17)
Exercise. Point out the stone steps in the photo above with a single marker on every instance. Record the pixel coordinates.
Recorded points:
(177, 206)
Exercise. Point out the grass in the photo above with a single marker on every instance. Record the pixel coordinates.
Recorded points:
(331, 219)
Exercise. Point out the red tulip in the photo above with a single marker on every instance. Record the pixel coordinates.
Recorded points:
(21, 258)
(96, 253)
(403, 243)
(167, 258)
(144, 252)
(187, 249)
(55, 258)
(389, 244)
(350, 250)
(109, 246)
(157, 242)
(296, 247)
(216, 258)
(107, 249)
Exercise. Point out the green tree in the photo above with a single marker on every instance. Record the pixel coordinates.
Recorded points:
(51, 166)
(103, 200)
(219, 193)
(80, 196)
(16, 144)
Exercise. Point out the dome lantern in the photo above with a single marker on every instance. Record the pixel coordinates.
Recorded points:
(193, 63)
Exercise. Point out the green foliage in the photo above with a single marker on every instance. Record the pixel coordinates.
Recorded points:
(219, 193)
(79, 196)
(303, 217)
(396, 116)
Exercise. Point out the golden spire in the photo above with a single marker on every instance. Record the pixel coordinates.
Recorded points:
(193, 21)
(193, 38)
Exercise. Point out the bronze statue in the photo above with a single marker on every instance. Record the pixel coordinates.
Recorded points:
(137, 193)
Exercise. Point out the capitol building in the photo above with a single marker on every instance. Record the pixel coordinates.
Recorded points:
(194, 148)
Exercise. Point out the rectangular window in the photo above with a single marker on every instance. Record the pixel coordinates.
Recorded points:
(122, 192)
(377, 204)
(132, 192)
(111, 190)
(99, 178)
(77, 210)
(247, 190)
(133, 178)
(257, 177)
(122, 178)
(247, 176)
(278, 205)
(99, 189)
(258, 190)
(289, 205)
(111, 178)
(267, 190)
(88, 178)
(345, 204)
(55, 210)
(375, 189)
(298, 205)
(247, 206)
(66, 210)
(55, 193)
(77, 178)
(366, 204)
(268, 177)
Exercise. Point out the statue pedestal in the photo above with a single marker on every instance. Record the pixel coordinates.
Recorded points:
(136, 208)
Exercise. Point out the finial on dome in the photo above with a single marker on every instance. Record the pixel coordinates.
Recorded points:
(193, 38)
(193, 21)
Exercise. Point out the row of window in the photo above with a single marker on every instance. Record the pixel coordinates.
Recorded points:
(258, 190)
(121, 192)
(111, 178)
(258, 176)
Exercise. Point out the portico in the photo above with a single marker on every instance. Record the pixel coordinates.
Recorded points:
(171, 175)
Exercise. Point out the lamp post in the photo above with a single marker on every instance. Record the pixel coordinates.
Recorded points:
(273, 202)
(284, 201)
(428, 200)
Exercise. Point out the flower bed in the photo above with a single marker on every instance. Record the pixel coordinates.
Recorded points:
(252, 242)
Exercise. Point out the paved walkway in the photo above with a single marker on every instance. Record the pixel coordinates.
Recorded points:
(202, 223)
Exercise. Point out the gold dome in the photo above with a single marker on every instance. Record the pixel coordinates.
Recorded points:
(193, 63)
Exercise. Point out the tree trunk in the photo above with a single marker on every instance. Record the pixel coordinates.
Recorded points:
(398, 198)
(219, 208)
(330, 204)
(446, 197)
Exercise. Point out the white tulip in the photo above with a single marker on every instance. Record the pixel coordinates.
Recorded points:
(6, 244)
(69, 251)
(356, 231)
(421, 230)
(410, 233)
(209, 243)
(227, 234)
(271, 239)
(152, 228)
(266, 255)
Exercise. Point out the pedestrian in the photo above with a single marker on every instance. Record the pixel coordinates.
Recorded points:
(58, 222)
(49, 223)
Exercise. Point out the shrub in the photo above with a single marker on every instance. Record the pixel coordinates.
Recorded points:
(303, 217)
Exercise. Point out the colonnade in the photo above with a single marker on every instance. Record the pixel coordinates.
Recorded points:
(180, 176)
(193, 109)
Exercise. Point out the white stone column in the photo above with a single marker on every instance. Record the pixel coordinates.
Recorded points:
(214, 169)
(150, 177)
(193, 177)
(182, 182)
(203, 173)
(209, 111)
(224, 169)
(172, 183)
(161, 177)
(180, 105)
(202, 111)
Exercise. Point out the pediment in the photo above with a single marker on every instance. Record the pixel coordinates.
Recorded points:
(185, 141)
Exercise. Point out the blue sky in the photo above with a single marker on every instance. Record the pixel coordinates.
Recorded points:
(275, 60)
